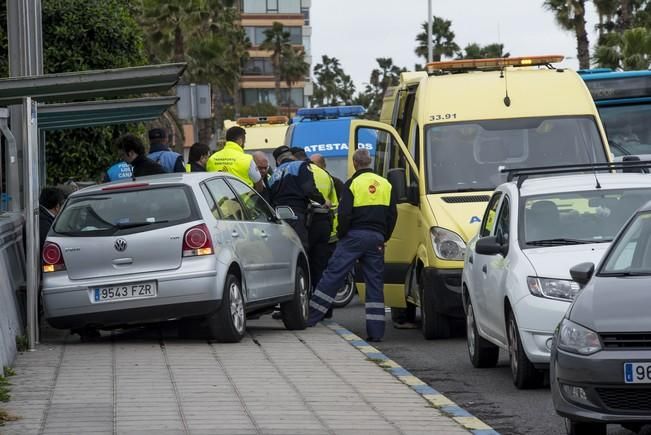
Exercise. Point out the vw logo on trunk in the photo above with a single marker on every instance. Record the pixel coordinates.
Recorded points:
(120, 245)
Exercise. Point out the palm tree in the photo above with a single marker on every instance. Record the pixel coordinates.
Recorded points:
(630, 50)
(293, 69)
(606, 11)
(476, 51)
(332, 86)
(570, 15)
(442, 40)
(277, 41)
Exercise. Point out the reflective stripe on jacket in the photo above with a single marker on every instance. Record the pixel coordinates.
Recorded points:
(233, 160)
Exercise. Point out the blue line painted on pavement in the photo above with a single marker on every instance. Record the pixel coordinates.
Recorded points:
(435, 398)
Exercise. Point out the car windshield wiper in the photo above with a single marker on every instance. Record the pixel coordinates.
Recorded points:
(125, 225)
(559, 242)
(627, 273)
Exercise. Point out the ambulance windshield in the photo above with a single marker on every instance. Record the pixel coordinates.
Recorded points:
(467, 156)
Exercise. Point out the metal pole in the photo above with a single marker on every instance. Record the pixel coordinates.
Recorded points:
(430, 47)
(31, 187)
(194, 108)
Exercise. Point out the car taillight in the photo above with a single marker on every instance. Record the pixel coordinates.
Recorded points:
(196, 241)
(52, 258)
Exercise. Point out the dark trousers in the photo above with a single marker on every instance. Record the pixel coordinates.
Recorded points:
(367, 247)
(300, 226)
(319, 252)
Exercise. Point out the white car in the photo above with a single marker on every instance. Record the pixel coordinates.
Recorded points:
(516, 280)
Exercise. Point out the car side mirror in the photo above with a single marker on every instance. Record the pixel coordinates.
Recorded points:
(286, 213)
(396, 178)
(632, 160)
(582, 273)
(489, 246)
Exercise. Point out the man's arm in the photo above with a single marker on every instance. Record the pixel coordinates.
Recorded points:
(392, 215)
(309, 186)
(254, 175)
(179, 165)
(345, 212)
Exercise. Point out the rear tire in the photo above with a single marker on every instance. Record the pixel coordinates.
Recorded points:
(296, 312)
(346, 293)
(582, 428)
(482, 353)
(228, 324)
(433, 324)
(525, 375)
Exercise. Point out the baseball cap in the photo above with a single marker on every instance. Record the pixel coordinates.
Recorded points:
(157, 133)
(281, 150)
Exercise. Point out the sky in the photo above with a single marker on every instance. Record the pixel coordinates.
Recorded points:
(359, 31)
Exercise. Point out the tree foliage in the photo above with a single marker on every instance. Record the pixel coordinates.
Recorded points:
(277, 41)
(443, 43)
(570, 15)
(630, 50)
(387, 74)
(332, 86)
(477, 51)
(79, 36)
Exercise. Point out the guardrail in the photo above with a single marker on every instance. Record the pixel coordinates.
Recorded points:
(12, 278)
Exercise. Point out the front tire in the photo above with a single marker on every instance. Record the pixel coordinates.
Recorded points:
(525, 375)
(482, 353)
(296, 311)
(433, 324)
(228, 324)
(581, 428)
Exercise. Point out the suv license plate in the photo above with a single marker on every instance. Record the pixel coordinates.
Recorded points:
(637, 373)
(122, 292)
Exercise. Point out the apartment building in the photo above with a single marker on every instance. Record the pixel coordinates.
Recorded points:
(257, 83)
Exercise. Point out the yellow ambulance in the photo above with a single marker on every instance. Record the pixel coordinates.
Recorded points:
(446, 135)
(263, 133)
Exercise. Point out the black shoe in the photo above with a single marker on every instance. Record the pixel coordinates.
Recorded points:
(277, 315)
(373, 340)
(328, 315)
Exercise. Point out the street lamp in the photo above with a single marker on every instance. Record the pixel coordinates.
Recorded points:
(430, 48)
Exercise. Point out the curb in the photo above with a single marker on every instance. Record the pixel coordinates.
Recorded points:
(436, 399)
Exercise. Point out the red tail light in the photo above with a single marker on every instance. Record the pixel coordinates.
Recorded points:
(52, 258)
(196, 241)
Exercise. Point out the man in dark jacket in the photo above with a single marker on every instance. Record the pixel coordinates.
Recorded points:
(198, 158)
(132, 151)
(50, 203)
(367, 217)
(160, 152)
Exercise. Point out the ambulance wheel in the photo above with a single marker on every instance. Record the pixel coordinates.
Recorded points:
(295, 312)
(433, 324)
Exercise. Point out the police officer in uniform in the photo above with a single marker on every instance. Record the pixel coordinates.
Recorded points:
(320, 218)
(160, 152)
(119, 171)
(367, 216)
(233, 160)
(292, 184)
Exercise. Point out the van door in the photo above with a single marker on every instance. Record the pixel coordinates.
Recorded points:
(392, 161)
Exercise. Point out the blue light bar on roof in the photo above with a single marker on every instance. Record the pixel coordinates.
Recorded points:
(331, 112)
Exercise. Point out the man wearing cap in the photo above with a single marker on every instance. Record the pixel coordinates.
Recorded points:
(160, 152)
(233, 160)
(292, 184)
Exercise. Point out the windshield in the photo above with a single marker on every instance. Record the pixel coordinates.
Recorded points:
(130, 211)
(631, 255)
(628, 128)
(578, 217)
(468, 156)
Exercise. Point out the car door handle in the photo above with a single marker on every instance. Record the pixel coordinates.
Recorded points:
(484, 268)
(471, 260)
(235, 234)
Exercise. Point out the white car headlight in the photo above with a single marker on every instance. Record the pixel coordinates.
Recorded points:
(577, 339)
(562, 289)
(448, 245)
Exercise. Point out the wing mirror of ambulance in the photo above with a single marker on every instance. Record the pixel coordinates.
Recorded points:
(404, 193)
(286, 213)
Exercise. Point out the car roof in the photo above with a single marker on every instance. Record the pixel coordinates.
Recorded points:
(582, 182)
(188, 178)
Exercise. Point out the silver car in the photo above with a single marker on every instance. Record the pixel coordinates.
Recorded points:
(176, 246)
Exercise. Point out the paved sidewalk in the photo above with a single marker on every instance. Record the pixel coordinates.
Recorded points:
(273, 382)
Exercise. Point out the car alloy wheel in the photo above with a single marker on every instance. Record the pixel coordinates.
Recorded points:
(482, 353)
(296, 311)
(346, 293)
(237, 307)
(525, 375)
(303, 295)
(513, 346)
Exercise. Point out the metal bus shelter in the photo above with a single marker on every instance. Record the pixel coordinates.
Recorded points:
(52, 102)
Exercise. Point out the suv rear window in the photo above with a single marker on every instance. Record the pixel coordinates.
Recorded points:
(124, 212)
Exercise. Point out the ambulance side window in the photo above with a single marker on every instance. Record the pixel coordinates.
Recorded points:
(488, 222)
(404, 118)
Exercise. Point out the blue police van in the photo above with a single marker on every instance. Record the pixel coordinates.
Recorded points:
(324, 130)
(623, 99)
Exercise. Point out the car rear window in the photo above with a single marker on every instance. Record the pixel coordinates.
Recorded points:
(127, 211)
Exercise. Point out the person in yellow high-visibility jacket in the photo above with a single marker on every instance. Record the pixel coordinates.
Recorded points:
(233, 160)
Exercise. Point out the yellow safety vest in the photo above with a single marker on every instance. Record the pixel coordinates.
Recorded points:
(326, 185)
(188, 168)
(370, 189)
(233, 160)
